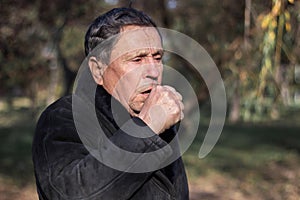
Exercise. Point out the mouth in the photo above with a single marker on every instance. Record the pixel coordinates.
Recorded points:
(138, 100)
(147, 91)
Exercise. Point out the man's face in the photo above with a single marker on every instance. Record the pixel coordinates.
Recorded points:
(135, 67)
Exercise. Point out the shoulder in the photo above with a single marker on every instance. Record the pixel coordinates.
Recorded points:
(60, 106)
(56, 126)
(56, 114)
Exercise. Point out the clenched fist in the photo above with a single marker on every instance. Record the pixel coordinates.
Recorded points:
(162, 109)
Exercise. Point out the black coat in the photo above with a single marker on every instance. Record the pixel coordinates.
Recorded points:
(65, 169)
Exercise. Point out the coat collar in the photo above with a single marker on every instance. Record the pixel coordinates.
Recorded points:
(110, 108)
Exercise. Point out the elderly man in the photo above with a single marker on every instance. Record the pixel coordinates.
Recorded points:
(129, 71)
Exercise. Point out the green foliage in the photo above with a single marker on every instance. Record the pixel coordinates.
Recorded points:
(47, 31)
(248, 155)
(262, 74)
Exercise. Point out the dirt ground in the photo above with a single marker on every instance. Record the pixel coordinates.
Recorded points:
(280, 183)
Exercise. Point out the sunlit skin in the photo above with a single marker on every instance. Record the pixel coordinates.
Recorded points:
(134, 78)
(131, 76)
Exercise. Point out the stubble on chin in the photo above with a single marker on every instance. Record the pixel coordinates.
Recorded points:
(135, 108)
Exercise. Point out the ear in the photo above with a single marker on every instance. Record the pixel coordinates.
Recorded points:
(97, 69)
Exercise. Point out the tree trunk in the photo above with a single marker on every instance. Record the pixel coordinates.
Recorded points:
(54, 78)
(235, 104)
(247, 23)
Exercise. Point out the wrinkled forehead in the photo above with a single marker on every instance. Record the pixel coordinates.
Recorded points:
(136, 38)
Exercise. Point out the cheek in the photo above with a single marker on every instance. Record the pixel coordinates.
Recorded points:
(161, 74)
(109, 82)
(130, 82)
(126, 87)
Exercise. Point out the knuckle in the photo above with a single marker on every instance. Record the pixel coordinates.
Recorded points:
(176, 110)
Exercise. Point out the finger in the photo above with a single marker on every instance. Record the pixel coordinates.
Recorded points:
(169, 88)
(173, 90)
(154, 88)
(179, 96)
(181, 105)
(181, 115)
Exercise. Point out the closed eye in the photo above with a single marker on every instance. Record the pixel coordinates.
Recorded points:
(158, 57)
(137, 59)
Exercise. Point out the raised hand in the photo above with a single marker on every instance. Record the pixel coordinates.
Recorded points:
(162, 109)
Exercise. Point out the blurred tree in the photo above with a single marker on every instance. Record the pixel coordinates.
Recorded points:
(36, 40)
(254, 43)
(22, 66)
(214, 25)
(262, 72)
(56, 17)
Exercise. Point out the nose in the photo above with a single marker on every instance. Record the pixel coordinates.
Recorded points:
(153, 70)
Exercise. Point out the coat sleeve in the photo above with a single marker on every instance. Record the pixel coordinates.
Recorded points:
(74, 173)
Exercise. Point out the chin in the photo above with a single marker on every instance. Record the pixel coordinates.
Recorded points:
(133, 113)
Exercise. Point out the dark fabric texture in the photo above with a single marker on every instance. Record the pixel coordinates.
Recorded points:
(65, 169)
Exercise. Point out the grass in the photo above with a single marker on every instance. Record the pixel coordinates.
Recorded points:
(16, 133)
(250, 161)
